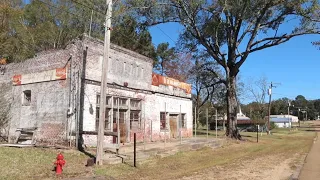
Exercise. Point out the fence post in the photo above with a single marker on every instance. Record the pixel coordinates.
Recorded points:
(207, 114)
(216, 123)
(195, 122)
(165, 131)
(257, 133)
(134, 150)
(180, 125)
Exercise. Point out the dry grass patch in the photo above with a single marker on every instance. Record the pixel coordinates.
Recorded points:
(283, 146)
(34, 163)
(280, 146)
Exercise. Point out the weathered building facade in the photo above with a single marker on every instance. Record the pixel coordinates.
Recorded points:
(59, 92)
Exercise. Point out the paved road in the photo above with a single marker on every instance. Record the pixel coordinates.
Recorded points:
(311, 168)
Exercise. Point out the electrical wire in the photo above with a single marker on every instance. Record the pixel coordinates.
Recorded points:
(91, 8)
(167, 35)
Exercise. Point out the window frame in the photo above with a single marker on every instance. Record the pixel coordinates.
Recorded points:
(107, 122)
(108, 100)
(115, 115)
(183, 120)
(121, 99)
(133, 119)
(165, 128)
(135, 104)
(27, 98)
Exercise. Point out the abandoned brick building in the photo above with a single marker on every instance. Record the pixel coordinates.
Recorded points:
(57, 93)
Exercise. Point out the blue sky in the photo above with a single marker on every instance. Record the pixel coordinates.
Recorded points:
(294, 64)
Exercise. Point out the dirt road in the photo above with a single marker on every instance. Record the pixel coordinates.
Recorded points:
(311, 168)
(262, 168)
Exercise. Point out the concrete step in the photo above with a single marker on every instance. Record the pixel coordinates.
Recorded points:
(25, 137)
(112, 159)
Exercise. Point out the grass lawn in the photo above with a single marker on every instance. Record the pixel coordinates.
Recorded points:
(36, 163)
(31, 163)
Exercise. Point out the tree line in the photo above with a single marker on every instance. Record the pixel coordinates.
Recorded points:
(216, 40)
(299, 106)
(41, 25)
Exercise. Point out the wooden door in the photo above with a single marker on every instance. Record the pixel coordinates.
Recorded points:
(122, 125)
(173, 126)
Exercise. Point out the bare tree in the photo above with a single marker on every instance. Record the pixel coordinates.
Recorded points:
(257, 91)
(228, 31)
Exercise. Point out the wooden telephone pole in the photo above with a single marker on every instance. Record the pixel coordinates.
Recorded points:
(269, 107)
(103, 87)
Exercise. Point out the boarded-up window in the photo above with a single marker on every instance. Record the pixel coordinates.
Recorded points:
(163, 122)
(119, 66)
(132, 70)
(134, 119)
(138, 70)
(142, 72)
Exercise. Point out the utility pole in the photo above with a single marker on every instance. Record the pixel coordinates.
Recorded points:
(269, 107)
(103, 86)
(298, 116)
(90, 23)
(289, 104)
(299, 109)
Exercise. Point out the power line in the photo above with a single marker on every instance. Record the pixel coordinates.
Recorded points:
(112, 17)
(91, 8)
(166, 35)
(61, 9)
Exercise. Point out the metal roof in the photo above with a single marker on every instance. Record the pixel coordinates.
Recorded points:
(280, 120)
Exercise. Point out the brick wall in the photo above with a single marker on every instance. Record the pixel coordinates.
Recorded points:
(49, 100)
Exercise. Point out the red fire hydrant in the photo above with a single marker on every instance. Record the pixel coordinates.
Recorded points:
(59, 163)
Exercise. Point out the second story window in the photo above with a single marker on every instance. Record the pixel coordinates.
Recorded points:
(26, 100)
(135, 104)
(122, 102)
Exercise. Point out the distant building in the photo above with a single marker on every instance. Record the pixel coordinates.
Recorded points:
(281, 122)
(293, 118)
(242, 119)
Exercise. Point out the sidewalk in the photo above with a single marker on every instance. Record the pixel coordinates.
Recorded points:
(311, 168)
(147, 150)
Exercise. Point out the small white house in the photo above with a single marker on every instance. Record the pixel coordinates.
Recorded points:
(293, 118)
(281, 122)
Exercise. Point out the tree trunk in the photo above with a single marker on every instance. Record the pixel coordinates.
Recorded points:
(232, 106)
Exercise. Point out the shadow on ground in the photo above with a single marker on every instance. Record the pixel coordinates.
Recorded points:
(312, 130)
